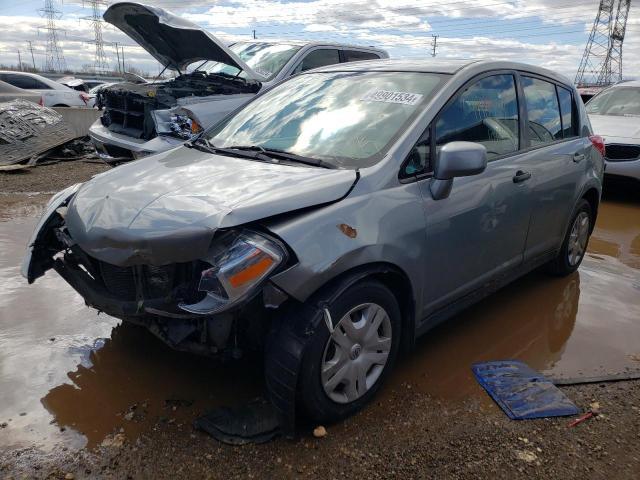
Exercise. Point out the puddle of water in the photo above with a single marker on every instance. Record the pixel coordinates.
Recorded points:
(585, 325)
(87, 378)
(66, 367)
(27, 204)
(617, 232)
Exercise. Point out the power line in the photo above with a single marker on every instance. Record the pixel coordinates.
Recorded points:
(31, 50)
(55, 57)
(100, 64)
(601, 63)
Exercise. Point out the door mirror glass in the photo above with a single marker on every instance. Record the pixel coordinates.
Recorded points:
(460, 159)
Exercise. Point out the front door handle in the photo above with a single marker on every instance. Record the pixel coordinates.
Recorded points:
(578, 157)
(521, 176)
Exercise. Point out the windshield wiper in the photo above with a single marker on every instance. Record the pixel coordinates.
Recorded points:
(204, 145)
(283, 155)
(259, 153)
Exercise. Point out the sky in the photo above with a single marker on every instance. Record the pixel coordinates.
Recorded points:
(551, 33)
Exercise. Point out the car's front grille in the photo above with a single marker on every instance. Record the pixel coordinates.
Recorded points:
(620, 153)
(124, 114)
(156, 282)
(119, 281)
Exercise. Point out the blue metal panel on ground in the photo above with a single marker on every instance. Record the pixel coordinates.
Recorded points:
(521, 392)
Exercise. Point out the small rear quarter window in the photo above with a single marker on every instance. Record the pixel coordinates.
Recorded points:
(567, 110)
(356, 56)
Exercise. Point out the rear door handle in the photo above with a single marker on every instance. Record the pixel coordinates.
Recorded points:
(521, 176)
(578, 157)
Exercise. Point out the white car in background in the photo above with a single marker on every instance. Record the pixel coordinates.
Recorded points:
(53, 94)
(615, 115)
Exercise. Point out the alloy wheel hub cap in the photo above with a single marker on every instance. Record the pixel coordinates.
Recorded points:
(578, 238)
(356, 353)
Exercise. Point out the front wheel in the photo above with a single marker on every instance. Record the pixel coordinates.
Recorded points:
(575, 242)
(345, 363)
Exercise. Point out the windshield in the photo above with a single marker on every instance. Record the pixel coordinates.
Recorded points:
(620, 101)
(348, 119)
(267, 59)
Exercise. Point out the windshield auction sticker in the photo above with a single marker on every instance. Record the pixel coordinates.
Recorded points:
(387, 96)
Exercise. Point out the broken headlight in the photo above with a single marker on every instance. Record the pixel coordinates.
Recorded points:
(176, 123)
(239, 264)
(183, 126)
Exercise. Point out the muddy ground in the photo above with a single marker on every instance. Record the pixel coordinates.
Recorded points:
(82, 396)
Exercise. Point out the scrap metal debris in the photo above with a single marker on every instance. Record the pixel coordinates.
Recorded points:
(27, 130)
(521, 392)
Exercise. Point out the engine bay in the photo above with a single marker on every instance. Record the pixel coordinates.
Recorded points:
(128, 106)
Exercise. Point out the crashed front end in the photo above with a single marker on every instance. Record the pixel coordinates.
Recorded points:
(129, 108)
(218, 304)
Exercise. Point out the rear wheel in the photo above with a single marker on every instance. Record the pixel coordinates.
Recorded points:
(575, 242)
(344, 368)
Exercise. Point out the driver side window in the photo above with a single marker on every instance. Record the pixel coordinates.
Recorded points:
(485, 112)
(318, 58)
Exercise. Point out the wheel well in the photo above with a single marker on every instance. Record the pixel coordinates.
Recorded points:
(395, 280)
(400, 286)
(593, 197)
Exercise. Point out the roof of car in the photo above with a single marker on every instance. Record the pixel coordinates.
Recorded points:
(628, 83)
(442, 65)
(48, 81)
(313, 43)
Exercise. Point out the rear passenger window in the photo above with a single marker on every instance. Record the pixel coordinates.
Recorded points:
(543, 111)
(21, 81)
(566, 110)
(318, 58)
(355, 56)
(486, 113)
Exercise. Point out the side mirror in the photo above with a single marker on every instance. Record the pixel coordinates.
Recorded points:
(456, 159)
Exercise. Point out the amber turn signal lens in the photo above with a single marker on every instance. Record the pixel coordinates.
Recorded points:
(253, 271)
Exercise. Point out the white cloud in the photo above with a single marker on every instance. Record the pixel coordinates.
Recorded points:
(318, 27)
(401, 26)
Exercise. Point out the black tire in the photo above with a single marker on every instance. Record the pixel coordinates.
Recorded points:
(313, 399)
(60, 105)
(560, 265)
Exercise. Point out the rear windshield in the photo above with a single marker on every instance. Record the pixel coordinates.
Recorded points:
(267, 59)
(621, 101)
(349, 119)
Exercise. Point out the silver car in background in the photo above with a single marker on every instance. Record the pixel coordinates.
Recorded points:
(213, 79)
(615, 115)
(335, 218)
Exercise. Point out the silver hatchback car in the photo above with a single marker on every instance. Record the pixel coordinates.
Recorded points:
(336, 218)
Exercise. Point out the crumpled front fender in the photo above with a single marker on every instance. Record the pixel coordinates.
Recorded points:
(35, 263)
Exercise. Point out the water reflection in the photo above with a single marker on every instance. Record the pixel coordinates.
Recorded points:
(530, 320)
(134, 380)
(617, 232)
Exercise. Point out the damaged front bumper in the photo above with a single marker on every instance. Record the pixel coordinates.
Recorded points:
(116, 147)
(196, 306)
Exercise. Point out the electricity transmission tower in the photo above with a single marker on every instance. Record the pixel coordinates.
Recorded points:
(55, 57)
(100, 64)
(601, 63)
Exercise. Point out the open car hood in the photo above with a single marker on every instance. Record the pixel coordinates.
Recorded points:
(133, 78)
(170, 39)
(166, 208)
